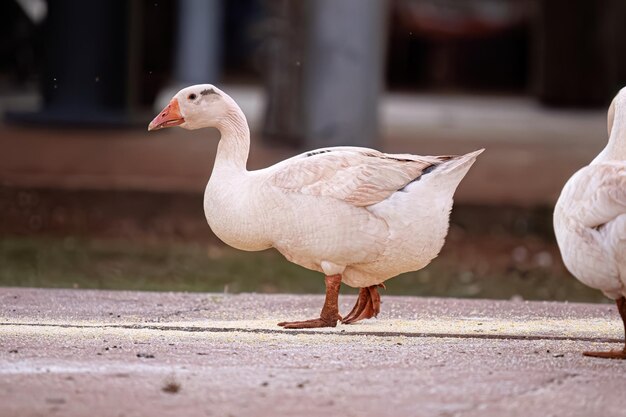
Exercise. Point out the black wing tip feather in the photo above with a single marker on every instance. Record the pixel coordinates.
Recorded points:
(425, 171)
(312, 153)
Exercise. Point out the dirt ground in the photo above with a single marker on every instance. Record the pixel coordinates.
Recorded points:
(525, 173)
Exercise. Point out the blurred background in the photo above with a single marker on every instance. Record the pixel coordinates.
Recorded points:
(89, 199)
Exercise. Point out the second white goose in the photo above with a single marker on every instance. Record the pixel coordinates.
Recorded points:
(590, 219)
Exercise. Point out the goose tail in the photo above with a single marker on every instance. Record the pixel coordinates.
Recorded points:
(458, 166)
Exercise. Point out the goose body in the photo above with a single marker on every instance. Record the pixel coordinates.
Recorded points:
(590, 225)
(354, 213)
(590, 217)
(327, 210)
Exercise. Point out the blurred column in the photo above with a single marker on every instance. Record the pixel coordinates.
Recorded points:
(198, 42)
(343, 71)
(198, 47)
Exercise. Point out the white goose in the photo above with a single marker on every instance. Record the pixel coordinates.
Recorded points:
(357, 215)
(590, 218)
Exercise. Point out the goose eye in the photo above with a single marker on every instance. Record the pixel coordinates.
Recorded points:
(191, 96)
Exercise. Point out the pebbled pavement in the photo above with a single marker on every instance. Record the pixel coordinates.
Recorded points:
(77, 352)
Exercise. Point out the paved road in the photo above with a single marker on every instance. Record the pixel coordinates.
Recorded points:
(77, 353)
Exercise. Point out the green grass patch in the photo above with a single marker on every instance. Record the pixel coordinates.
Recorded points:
(117, 265)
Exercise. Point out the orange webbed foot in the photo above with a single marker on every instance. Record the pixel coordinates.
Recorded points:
(612, 354)
(309, 324)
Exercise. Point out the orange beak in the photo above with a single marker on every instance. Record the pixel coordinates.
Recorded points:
(170, 116)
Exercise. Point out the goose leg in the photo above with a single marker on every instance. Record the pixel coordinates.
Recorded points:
(614, 354)
(330, 312)
(367, 305)
(359, 306)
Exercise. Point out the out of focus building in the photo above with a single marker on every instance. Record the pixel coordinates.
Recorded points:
(105, 61)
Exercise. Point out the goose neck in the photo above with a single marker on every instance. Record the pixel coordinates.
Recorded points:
(234, 145)
(615, 149)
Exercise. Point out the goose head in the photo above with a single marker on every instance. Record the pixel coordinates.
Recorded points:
(616, 125)
(618, 106)
(195, 107)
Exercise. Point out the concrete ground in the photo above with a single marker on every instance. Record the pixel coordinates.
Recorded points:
(77, 352)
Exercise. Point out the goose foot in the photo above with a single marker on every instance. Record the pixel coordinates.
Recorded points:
(612, 354)
(309, 324)
(367, 305)
(330, 312)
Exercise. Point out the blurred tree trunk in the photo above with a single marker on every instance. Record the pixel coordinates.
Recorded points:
(344, 71)
(324, 71)
(283, 51)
